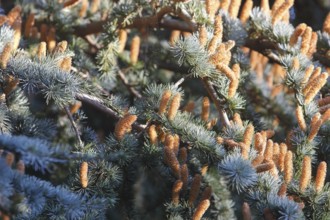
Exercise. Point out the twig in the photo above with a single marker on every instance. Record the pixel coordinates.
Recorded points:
(131, 89)
(74, 126)
(99, 104)
(213, 94)
(179, 82)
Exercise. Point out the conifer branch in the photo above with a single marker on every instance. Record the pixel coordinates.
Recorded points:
(74, 126)
(130, 88)
(98, 104)
(213, 94)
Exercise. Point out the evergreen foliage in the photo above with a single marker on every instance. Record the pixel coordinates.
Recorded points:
(215, 109)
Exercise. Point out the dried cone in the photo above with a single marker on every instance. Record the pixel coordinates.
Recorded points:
(5, 55)
(246, 211)
(152, 134)
(164, 101)
(124, 125)
(122, 37)
(201, 209)
(174, 107)
(194, 189)
(320, 176)
(176, 191)
(306, 173)
(135, 49)
(288, 167)
(205, 109)
(83, 174)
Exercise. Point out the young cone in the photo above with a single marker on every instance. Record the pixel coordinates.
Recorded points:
(306, 173)
(326, 24)
(297, 33)
(234, 8)
(164, 101)
(194, 189)
(176, 191)
(288, 167)
(5, 55)
(300, 118)
(83, 174)
(320, 176)
(246, 10)
(122, 38)
(41, 52)
(152, 134)
(124, 125)
(174, 107)
(201, 209)
(205, 109)
(246, 211)
(135, 49)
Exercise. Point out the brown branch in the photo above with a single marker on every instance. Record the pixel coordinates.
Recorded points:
(74, 126)
(99, 104)
(131, 89)
(213, 94)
